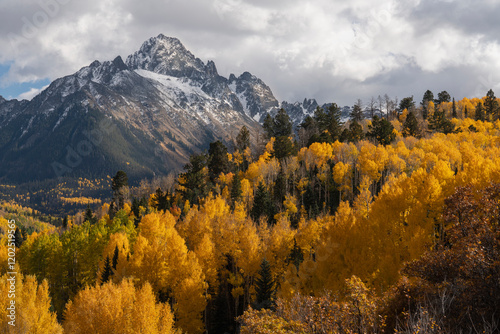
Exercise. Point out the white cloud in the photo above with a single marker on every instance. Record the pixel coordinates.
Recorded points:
(330, 50)
(31, 93)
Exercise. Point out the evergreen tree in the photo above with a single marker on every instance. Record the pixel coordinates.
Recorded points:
(89, 216)
(282, 124)
(406, 103)
(236, 188)
(194, 179)
(243, 139)
(356, 113)
(491, 106)
(160, 200)
(334, 124)
(18, 238)
(321, 119)
(65, 222)
(466, 112)
(115, 257)
(218, 161)
(479, 116)
(411, 127)
(428, 97)
(279, 190)
(136, 206)
(345, 135)
(308, 131)
(454, 109)
(265, 287)
(119, 186)
(107, 271)
(283, 147)
(443, 97)
(355, 132)
(382, 130)
(296, 256)
(439, 123)
(268, 126)
(261, 203)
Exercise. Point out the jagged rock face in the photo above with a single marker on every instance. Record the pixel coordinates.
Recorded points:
(146, 115)
(299, 111)
(166, 55)
(257, 98)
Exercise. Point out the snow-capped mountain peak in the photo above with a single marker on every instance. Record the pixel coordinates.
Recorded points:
(168, 56)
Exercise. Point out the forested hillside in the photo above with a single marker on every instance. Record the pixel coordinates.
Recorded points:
(381, 225)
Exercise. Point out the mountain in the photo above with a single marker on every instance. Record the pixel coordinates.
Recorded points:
(256, 97)
(145, 115)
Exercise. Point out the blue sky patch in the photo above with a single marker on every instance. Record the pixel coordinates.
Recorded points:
(13, 90)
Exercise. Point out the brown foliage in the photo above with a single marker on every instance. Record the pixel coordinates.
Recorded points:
(459, 278)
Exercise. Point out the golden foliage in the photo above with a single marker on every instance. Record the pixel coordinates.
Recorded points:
(121, 308)
(32, 307)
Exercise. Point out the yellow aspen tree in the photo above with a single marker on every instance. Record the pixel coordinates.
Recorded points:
(111, 308)
(279, 245)
(363, 201)
(342, 176)
(160, 257)
(32, 307)
(118, 241)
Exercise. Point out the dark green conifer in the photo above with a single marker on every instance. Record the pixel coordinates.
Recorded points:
(411, 127)
(265, 287)
(107, 271)
(115, 257)
(381, 130)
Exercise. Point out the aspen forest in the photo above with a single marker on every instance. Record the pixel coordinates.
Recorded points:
(386, 223)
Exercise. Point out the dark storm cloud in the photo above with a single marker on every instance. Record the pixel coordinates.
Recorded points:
(329, 50)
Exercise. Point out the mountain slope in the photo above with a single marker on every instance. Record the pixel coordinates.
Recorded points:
(146, 117)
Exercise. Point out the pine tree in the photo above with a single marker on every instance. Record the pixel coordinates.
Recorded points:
(107, 271)
(443, 97)
(382, 130)
(479, 116)
(265, 287)
(236, 188)
(65, 222)
(89, 216)
(18, 238)
(355, 132)
(119, 186)
(321, 119)
(194, 179)
(454, 109)
(282, 124)
(356, 113)
(283, 147)
(334, 124)
(160, 200)
(115, 257)
(411, 127)
(439, 123)
(428, 97)
(218, 161)
(268, 126)
(406, 103)
(491, 106)
(261, 203)
(296, 256)
(243, 139)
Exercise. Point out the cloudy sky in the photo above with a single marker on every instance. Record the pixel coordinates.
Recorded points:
(331, 50)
